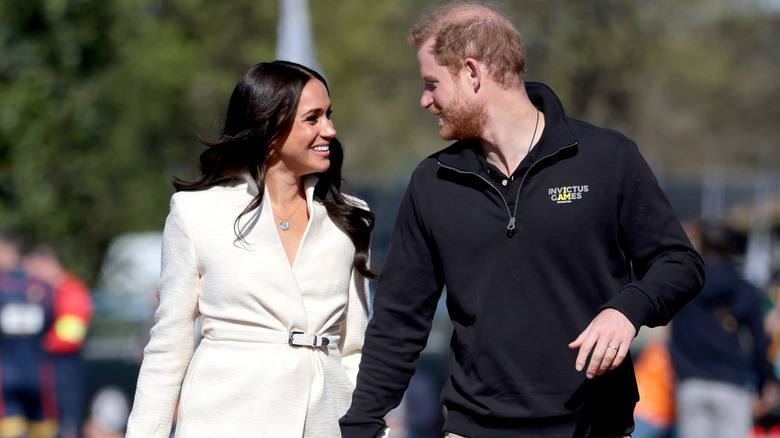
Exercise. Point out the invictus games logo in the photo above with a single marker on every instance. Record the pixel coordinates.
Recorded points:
(566, 194)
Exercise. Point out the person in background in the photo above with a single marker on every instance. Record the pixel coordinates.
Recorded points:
(72, 316)
(552, 237)
(28, 400)
(717, 370)
(108, 414)
(654, 414)
(271, 257)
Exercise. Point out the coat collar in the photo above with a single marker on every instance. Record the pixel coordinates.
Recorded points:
(309, 183)
(264, 217)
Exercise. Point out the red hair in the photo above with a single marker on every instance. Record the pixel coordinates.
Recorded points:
(468, 30)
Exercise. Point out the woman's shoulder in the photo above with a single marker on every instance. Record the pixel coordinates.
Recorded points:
(211, 195)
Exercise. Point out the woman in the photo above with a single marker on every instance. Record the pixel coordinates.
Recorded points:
(271, 258)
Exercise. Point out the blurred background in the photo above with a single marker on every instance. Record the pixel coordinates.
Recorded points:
(100, 100)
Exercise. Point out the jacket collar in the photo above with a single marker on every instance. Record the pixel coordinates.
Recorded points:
(556, 134)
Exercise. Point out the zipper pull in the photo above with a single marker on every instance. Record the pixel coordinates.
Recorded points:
(511, 226)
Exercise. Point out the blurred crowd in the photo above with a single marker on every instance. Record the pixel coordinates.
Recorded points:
(713, 371)
(45, 312)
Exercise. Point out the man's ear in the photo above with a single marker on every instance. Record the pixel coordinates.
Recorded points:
(474, 73)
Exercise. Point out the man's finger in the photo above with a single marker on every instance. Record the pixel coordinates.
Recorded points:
(585, 346)
(621, 355)
(610, 354)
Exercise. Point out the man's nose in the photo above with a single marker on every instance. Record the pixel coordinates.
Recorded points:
(427, 99)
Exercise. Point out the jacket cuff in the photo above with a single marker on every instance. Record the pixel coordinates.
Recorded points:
(632, 302)
(364, 430)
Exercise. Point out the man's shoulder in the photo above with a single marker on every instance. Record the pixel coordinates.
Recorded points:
(453, 152)
(427, 164)
(585, 131)
(599, 142)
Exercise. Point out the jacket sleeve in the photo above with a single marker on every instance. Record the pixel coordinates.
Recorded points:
(404, 304)
(354, 328)
(170, 348)
(668, 271)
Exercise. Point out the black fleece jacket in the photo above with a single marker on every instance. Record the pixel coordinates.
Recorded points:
(524, 277)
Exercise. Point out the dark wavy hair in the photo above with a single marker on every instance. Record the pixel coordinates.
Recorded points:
(262, 109)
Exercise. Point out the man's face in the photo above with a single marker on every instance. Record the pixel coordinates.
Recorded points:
(461, 116)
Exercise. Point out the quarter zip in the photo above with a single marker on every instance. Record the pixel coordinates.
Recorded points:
(512, 214)
(467, 172)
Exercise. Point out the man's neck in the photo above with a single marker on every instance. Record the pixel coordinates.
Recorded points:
(514, 126)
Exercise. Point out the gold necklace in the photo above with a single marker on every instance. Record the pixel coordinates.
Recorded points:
(284, 225)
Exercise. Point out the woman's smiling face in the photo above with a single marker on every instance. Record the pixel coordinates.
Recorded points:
(306, 147)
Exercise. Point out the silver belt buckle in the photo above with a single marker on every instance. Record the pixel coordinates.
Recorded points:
(314, 342)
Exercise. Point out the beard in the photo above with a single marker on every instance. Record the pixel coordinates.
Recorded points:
(462, 119)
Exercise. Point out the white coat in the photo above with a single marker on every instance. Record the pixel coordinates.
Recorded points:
(245, 380)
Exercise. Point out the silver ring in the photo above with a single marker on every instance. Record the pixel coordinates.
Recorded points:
(613, 347)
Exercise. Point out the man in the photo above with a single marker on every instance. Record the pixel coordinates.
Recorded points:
(714, 365)
(533, 221)
(72, 315)
(28, 401)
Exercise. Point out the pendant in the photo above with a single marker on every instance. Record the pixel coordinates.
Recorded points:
(284, 225)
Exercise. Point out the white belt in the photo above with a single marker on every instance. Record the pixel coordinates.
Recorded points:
(294, 338)
(300, 339)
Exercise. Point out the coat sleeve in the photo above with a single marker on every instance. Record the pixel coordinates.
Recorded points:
(170, 348)
(353, 330)
(668, 271)
(404, 305)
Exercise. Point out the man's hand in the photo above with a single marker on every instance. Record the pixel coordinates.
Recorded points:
(609, 335)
